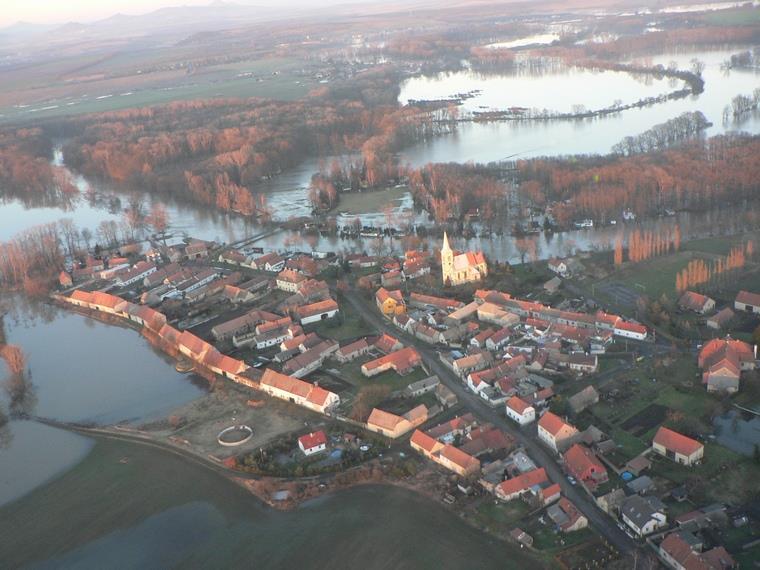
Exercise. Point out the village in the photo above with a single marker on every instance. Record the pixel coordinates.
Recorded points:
(517, 402)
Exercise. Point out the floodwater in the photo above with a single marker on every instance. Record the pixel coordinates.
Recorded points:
(144, 509)
(78, 369)
(487, 142)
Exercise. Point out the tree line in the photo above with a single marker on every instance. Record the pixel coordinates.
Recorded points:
(700, 174)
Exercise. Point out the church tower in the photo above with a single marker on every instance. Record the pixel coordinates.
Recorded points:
(447, 261)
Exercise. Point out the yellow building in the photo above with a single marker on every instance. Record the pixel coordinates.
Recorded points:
(390, 303)
(457, 269)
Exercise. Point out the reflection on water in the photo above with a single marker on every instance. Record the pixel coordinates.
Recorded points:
(556, 91)
(85, 370)
(486, 142)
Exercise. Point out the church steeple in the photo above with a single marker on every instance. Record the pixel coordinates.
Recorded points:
(445, 243)
(447, 261)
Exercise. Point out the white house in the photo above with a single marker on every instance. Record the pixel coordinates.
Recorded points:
(316, 312)
(139, 272)
(312, 443)
(747, 302)
(554, 431)
(520, 411)
(558, 266)
(643, 515)
(630, 330)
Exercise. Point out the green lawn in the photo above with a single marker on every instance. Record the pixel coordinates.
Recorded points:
(348, 325)
(501, 515)
(352, 373)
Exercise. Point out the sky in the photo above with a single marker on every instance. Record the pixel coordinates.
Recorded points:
(62, 11)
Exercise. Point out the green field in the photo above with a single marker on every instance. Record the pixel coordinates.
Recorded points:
(274, 78)
(348, 325)
(370, 201)
(740, 17)
(353, 374)
(657, 276)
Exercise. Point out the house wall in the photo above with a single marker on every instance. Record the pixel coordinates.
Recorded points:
(318, 317)
(746, 308)
(528, 416)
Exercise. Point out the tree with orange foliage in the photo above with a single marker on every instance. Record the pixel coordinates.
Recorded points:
(618, 251)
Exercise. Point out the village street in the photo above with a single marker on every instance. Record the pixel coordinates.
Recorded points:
(527, 437)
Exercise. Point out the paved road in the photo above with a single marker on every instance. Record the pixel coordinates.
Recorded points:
(527, 436)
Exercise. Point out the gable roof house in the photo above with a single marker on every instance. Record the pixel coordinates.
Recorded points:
(424, 444)
(677, 447)
(458, 461)
(390, 303)
(693, 301)
(458, 426)
(401, 361)
(722, 362)
(555, 432)
(298, 392)
(312, 443)
(566, 516)
(682, 551)
(581, 462)
(644, 515)
(531, 481)
(316, 312)
(520, 411)
(388, 424)
(720, 319)
(352, 351)
(747, 302)
(290, 280)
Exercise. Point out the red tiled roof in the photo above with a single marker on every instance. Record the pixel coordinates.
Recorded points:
(748, 298)
(317, 308)
(552, 423)
(313, 439)
(523, 482)
(518, 404)
(401, 360)
(423, 440)
(193, 343)
(318, 396)
(693, 300)
(384, 294)
(674, 441)
(384, 420)
(580, 459)
(459, 457)
(718, 349)
(286, 383)
(291, 276)
(631, 327)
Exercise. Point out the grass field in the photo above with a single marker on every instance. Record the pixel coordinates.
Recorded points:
(348, 325)
(740, 17)
(657, 276)
(352, 373)
(275, 78)
(371, 201)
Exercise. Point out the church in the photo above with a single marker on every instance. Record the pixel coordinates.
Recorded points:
(461, 268)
